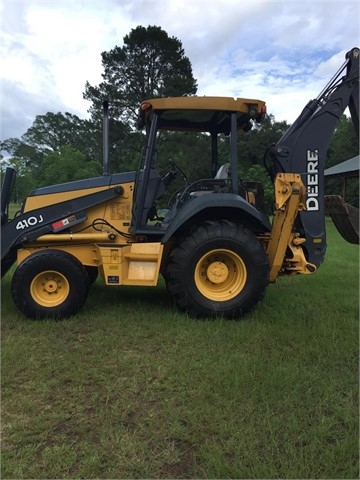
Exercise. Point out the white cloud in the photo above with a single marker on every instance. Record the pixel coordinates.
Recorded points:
(281, 51)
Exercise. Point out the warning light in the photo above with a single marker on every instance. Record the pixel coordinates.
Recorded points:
(145, 106)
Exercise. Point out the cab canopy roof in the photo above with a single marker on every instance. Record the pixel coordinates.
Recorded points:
(201, 114)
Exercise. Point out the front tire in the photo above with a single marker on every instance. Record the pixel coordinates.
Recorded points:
(50, 283)
(221, 269)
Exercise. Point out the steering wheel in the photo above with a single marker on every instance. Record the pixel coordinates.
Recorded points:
(178, 169)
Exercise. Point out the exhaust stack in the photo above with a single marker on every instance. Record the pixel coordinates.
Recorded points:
(106, 170)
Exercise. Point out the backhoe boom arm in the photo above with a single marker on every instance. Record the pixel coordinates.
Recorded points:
(303, 150)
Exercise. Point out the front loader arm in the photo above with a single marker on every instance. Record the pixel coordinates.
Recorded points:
(31, 225)
(303, 150)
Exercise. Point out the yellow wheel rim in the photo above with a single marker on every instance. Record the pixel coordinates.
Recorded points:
(49, 288)
(220, 275)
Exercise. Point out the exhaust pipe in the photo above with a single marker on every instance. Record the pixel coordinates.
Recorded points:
(106, 170)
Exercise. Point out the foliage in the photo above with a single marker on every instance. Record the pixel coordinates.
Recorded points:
(51, 131)
(254, 144)
(65, 165)
(22, 153)
(257, 173)
(149, 64)
(25, 178)
(48, 133)
(344, 143)
(54, 166)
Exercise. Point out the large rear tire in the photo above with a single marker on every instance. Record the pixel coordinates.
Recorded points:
(50, 283)
(93, 273)
(221, 269)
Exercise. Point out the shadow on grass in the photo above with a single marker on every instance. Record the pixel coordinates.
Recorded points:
(129, 296)
(104, 302)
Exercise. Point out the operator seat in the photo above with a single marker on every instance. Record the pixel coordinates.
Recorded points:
(223, 172)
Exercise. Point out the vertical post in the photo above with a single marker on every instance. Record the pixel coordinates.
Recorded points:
(214, 154)
(143, 176)
(106, 170)
(233, 153)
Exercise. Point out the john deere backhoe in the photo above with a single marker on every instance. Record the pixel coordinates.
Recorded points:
(215, 247)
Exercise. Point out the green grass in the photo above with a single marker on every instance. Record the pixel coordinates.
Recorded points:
(131, 388)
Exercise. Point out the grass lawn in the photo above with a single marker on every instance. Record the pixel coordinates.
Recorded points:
(131, 388)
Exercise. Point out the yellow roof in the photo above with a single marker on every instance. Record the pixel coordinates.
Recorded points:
(201, 113)
(228, 104)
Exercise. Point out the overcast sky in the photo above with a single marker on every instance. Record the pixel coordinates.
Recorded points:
(283, 52)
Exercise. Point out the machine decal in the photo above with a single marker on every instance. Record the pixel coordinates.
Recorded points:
(120, 211)
(113, 279)
(29, 222)
(312, 180)
(60, 224)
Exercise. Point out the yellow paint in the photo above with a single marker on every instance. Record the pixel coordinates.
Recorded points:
(117, 212)
(49, 288)
(290, 196)
(137, 263)
(220, 275)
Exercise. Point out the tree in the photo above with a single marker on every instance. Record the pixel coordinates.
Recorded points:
(52, 131)
(27, 155)
(253, 145)
(25, 180)
(344, 143)
(258, 173)
(66, 165)
(150, 64)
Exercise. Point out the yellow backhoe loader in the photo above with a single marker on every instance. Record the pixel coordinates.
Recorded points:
(215, 247)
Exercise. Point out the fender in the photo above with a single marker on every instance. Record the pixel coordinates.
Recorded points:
(222, 205)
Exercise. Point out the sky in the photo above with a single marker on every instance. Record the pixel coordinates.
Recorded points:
(283, 52)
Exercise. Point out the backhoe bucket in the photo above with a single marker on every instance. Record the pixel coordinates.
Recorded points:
(344, 216)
